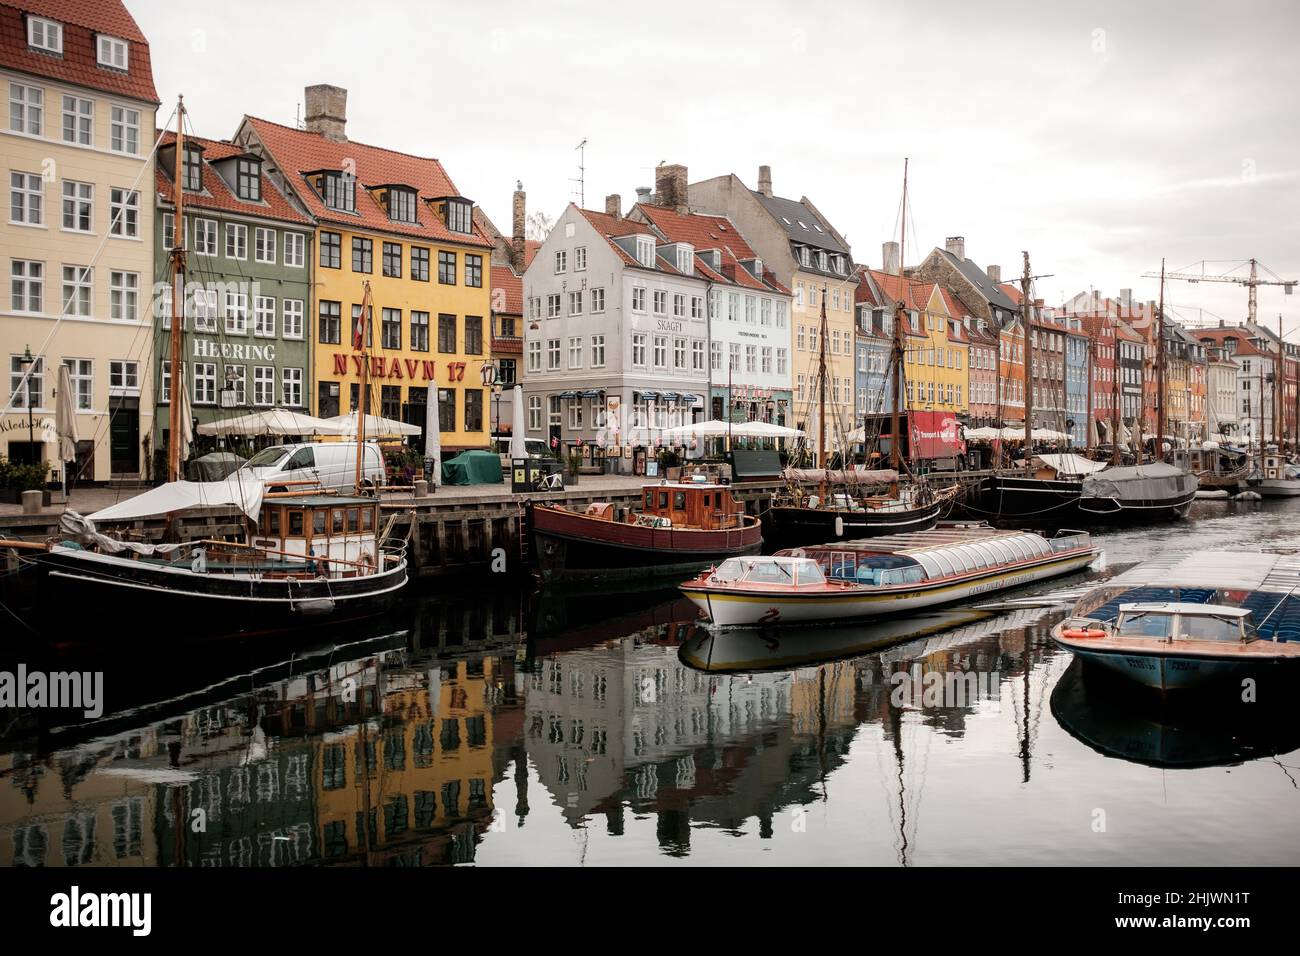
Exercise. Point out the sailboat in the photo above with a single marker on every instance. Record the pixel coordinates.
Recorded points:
(797, 518)
(1275, 478)
(301, 556)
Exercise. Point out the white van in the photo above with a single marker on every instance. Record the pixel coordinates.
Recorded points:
(333, 464)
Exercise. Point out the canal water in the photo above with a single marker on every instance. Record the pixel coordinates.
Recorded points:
(508, 726)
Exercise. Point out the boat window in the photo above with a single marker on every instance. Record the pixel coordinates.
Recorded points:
(268, 457)
(295, 523)
(1146, 624)
(708, 501)
(679, 501)
(302, 458)
(352, 519)
(338, 521)
(944, 561)
(810, 572)
(1004, 550)
(663, 501)
(730, 570)
(987, 556)
(273, 521)
(318, 516)
(1201, 628)
(367, 518)
(771, 572)
(932, 567)
(649, 500)
(912, 575)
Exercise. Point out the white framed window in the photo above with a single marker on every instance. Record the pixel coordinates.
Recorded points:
(751, 358)
(264, 316)
(205, 237)
(781, 361)
(295, 250)
(638, 349)
(236, 241)
(575, 352)
(645, 252)
(205, 383)
(165, 381)
(78, 206)
(236, 380)
(715, 356)
(33, 391)
(263, 385)
(27, 286)
(553, 306)
(661, 302)
(733, 356)
(43, 34)
(77, 284)
(202, 305)
(264, 245)
(561, 262)
(123, 376)
(580, 259)
(534, 413)
(553, 355)
(236, 313)
(113, 53)
(123, 296)
(733, 307)
(534, 356)
(293, 314)
(26, 199)
(751, 309)
(82, 373)
(598, 351)
(638, 298)
(697, 355)
(26, 109)
(124, 213)
(679, 306)
(575, 415)
(124, 130)
(291, 386)
(78, 120)
(575, 303)
(766, 361)
(685, 260)
(679, 353)
(597, 300)
(697, 307)
(661, 351)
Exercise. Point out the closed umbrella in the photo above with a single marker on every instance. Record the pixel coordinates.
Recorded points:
(65, 423)
(518, 447)
(433, 436)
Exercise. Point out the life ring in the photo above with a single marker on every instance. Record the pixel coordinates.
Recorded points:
(1083, 634)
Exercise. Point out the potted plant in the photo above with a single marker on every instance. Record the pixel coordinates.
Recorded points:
(17, 478)
(572, 467)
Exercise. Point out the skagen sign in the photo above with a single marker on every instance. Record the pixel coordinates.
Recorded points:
(206, 348)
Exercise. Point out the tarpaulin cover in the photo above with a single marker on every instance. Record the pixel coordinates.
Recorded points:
(240, 490)
(1071, 464)
(1154, 482)
(883, 476)
(214, 466)
(473, 468)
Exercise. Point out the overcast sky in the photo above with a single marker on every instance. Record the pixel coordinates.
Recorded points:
(1098, 136)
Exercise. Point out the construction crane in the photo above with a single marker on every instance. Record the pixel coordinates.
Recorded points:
(1252, 282)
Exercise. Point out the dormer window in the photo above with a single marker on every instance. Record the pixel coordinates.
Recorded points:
(192, 170)
(758, 268)
(45, 35)
(459, 217)
(113, 53)
(401, 204)
(339, 190)
(686, 259)
(248, 179)
(821, 261)
(805, 257)
(645, 252)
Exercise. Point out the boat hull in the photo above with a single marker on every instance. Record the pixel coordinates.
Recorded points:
(118, 595)
(572, 547)
(1021, 502)
(1167, 672)
(757, 608)
(791, 527)
(1278, 487)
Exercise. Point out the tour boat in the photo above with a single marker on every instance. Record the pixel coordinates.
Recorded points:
(681, 527)
(853, 580)
(1185, 621)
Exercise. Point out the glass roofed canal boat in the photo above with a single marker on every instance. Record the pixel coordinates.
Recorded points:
(851, 580)
(1188, 620)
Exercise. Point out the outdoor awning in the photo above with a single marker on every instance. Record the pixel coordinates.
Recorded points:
(668, 396)
(593, 393)
(648, 396)
(692, 399)
(569, 395)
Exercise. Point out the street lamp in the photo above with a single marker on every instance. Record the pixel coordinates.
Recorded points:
(25, 363)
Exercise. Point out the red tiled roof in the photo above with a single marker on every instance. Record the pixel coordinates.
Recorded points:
(530, 250)
(610, 226)
(79, 63)
(217, 195)
(705, 232)
(1242, 337)
(915, 296)
(298, 151)
(1012, 292)
(502, 279)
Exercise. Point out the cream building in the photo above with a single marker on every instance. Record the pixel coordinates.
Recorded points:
(76, 241)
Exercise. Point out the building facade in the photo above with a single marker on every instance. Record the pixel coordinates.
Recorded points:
(397, 222)
(1077, 372)
(247, 291)
(77, 146)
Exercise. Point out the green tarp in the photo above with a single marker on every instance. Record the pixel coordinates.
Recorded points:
(472, 468)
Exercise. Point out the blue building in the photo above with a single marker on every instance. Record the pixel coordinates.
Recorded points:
(1078, 366)
(873, 345)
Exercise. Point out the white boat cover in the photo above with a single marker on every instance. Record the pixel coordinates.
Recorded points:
(1156, 481)
(80, 529)
(1071, 464)
(240, 490)
(884, 476)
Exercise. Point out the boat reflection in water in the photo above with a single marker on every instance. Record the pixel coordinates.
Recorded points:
(1114, 718)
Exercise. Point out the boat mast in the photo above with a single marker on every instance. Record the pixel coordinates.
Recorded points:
(1160, 371)
(1092, 365)
(1114, 394)
(900, 311)
(179, 232)
(1029, 381)
(363, 394)
(1278, 400)
(821, 392)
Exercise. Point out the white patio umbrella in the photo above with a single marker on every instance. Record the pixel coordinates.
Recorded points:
(376, 427)
(272, 421)
(710, 429)
(433, 436)
(767, 430)
(518, 446)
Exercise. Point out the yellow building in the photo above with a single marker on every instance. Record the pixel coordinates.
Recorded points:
(77, 243)
(937, 351)
(397, 222)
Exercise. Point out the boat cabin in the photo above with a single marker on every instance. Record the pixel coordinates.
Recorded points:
(1170, 622)
(320, 526)
(690, 504)
(793, 572)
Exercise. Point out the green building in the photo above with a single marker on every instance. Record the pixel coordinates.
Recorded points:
(248, 288)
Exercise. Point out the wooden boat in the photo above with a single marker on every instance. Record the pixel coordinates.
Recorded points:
(1276, 479)
(797, 519)
(1186, 621)
(681, 527)
(855, 580)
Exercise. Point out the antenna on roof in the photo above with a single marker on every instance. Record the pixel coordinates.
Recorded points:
(297, 116)
(582, 173)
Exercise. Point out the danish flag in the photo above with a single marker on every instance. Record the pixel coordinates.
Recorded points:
(359, 332)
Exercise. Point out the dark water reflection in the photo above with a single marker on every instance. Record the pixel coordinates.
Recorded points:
(510, 728)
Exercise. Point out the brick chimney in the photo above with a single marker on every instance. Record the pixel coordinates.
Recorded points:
(670, 188)
(519, 218)
(956, 245)
(614, 205)
(995, 274)
(889, 258)
(765, 180)
(327, 111)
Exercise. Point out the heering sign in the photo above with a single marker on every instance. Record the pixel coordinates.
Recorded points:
(206, 348)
